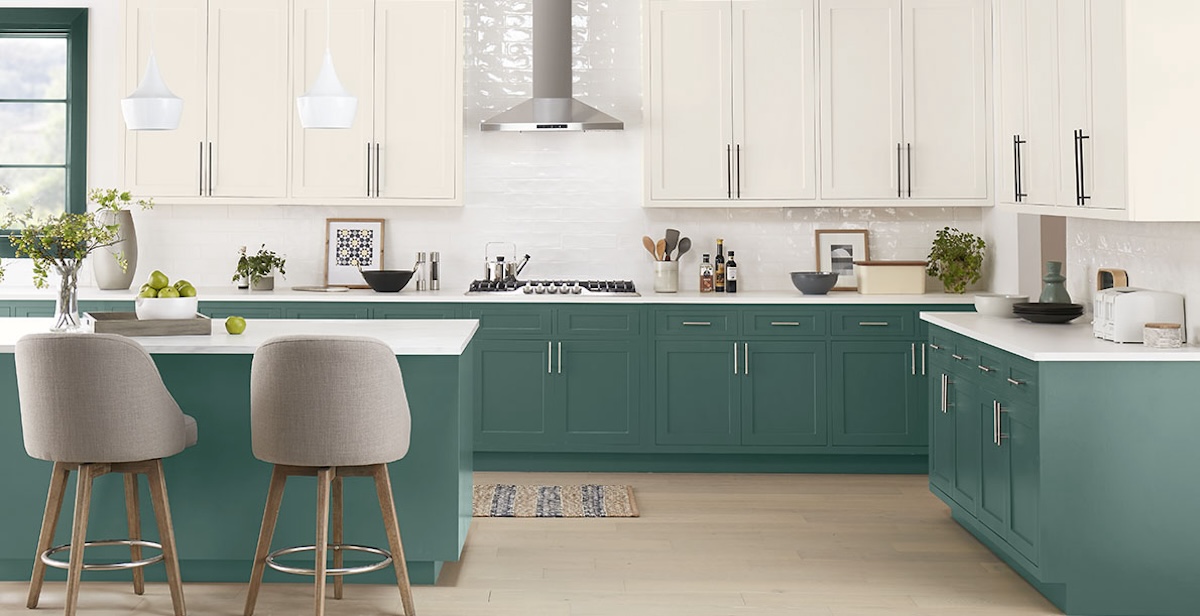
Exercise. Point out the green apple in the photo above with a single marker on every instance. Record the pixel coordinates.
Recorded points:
(235, 325)
(185, 289)
(146, 286)
(158, 280)
(148, 292)
(180, 284)
(168, 292)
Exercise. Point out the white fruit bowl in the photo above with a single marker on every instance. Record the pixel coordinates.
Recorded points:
(998, 304)
(148, 308)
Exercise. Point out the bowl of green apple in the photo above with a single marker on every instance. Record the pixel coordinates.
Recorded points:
(158, 299)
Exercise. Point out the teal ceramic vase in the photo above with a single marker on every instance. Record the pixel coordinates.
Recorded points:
(1053, 290)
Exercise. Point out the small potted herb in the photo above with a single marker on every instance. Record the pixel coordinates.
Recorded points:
(956, 259)
(257, 270)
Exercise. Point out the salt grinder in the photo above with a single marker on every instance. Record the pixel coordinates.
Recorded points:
(435, 277)
(420, 271)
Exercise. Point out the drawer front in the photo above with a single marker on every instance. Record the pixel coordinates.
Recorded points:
(599, 321)
(414, 311)
(875, 323)
(696, 323)
(512, 320)
(249, 310)
(326, 310)
(1020, 383)
(780, 323)
(991, 366)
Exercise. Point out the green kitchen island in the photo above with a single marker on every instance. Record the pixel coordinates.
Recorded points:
(217, 489)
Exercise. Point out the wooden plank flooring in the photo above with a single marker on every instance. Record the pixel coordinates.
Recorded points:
(706, 545)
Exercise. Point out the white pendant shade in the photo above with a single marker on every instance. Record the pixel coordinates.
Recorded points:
(327, 104)
(152, 106)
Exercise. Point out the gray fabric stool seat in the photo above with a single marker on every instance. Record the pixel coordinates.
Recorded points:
(333, 407)
(95, 404)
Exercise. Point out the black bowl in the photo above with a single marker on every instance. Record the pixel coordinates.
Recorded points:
(1047, 308)
(814, 283)
(1050, 318)
(387, 281)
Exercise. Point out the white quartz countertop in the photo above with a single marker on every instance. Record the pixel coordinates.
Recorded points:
(286, 294)
(406, 337)
(1047, 342)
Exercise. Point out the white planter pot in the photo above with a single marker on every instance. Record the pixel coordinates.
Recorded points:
(108, 272)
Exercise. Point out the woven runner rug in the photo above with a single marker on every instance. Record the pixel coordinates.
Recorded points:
(582, 501)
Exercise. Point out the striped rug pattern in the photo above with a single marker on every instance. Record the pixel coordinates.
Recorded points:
(581, 501)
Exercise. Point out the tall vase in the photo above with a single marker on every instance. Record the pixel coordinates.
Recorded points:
(66, 306)
(1053, 290)
(109, 274)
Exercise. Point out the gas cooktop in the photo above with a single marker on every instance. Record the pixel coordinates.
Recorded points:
(623, 288)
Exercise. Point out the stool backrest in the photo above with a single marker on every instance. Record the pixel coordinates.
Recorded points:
(327, 401)
(94, 398)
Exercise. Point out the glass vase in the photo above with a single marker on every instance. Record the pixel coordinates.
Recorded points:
(66, 306)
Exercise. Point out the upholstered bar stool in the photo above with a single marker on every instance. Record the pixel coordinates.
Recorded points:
(95, 404)
(330, 407)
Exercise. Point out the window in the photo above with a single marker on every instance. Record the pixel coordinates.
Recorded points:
(43, 109)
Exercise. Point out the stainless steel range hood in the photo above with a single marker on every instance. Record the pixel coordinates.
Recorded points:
(552, 107)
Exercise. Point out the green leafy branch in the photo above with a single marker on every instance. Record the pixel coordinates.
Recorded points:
(116, 200)
(58, 241)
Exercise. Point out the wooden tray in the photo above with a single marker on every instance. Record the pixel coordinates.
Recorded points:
(127, 324)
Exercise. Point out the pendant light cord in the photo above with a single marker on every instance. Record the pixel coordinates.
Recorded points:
(328, 23)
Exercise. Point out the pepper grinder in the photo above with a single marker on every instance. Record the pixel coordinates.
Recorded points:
(435, 277)
(419, 271)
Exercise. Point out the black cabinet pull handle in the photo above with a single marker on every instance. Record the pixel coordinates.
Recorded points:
(1019, 195)
(728, 171)
(368, 168)
(899, 184)
(739, 171)
(1083, 196)
(201, 168)
(909, 148)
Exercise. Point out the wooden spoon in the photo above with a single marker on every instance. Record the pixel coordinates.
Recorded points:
(660, 250)
(649, 244)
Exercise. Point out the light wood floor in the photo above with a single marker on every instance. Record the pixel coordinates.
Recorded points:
(706, 545)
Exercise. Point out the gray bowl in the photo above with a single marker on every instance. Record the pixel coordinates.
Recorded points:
(387, 281)
(814, 283)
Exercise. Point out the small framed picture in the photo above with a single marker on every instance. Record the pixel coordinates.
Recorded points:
(837, 250)
(350, 244)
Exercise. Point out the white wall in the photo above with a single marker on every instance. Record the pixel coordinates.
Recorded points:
(572, 201)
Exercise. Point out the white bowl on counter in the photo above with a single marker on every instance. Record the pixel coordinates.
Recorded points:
(998, 304)
(165, 308)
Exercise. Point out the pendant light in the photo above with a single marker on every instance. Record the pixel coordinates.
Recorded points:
(327, 104)
(152, 106)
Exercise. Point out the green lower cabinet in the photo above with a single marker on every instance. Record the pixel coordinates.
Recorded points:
(784, 393)
(32, 309)
(1009, 478)
(696, 393)
(513, 396)
(249, 310)
(876, 395)
(941, 427)
(598, 386)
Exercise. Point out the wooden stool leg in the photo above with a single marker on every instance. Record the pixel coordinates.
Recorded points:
(166, 533)
(338, 538)
(54, 501)
(387, 506)
(135, 530)
(270, 515)
(324, 477)
(83, 500)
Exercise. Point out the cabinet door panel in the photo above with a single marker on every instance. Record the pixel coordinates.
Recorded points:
(689, 116)
(1040, 154)
(1105, 163)
(968, 406)
(861, 119)
(512, 399)
(1025, 485)
(994, 470)
(784, 394)
(1074, 94)
(876, 398)
(167, 163)
(600, 390)
(333, 163)
(696, 394)
(249, 107)
(416, 51)
(774, 111)
(945, 106)
(942, 431)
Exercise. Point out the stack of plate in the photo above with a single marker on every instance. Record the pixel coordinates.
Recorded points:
(1048, 312)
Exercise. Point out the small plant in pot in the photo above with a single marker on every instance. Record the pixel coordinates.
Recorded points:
(956, 258)
(256, 270)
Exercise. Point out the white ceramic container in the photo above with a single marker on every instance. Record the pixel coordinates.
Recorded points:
(998, 304)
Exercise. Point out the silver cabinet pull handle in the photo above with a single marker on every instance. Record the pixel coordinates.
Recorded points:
(1012, 381)
(984, 368)
(368, 168)
(560, 357)
(957, 356)
(735, 365)
(746, 359)
(785, 324)
(998, 436)
(873, 323)
(549, 357)
(935, 347)
(210, 169)
(697, 323)
(912, 359)
(922, 359)
(945, 386)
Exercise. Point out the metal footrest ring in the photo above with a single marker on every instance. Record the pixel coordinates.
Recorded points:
(58, 564)
(387, 560)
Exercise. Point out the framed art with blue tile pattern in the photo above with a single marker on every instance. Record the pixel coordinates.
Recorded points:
(352, 244)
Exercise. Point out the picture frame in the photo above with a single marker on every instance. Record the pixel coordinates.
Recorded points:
(351, 243)
(837, 250)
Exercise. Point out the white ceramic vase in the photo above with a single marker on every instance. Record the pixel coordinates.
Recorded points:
(109, 274)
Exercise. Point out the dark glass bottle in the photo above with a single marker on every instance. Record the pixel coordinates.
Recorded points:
(719, 267)
(731, 274)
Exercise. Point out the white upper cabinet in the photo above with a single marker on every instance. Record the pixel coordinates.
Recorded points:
(731, 102)
(1118, 98)
(904, 100)
(239, 66)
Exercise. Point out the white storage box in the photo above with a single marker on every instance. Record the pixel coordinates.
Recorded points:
(890, 277)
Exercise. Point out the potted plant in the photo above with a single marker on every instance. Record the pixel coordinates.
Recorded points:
(256, 271)
(956, 259)
(59, 242)
(112, 208)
